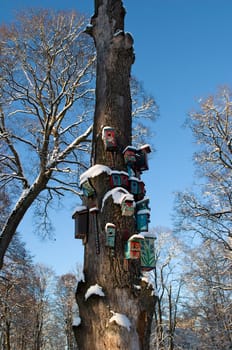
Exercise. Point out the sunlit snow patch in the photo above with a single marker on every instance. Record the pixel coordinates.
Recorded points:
(121, 320)
(96, 289)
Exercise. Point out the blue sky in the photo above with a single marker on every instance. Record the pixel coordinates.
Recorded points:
(183, 52)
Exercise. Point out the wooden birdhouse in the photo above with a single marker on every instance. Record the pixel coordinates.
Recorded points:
(81, 222)
(148, 258)
(141, 158)
(142, 191)
(124, 179)
(142, 220)
(109, 139)
(137, 188)
(115, 179)
(87, 189)
(127, 205)
(129, 154)
(110, 231)
(134, 185)
(142, 204)
(133, 247)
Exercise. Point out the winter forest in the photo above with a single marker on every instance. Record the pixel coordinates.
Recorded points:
(48, 140)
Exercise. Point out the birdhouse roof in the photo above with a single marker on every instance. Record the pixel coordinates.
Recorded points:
(136, 237)
(94, 171)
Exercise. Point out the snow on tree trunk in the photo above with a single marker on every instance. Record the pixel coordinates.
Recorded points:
(118, 314)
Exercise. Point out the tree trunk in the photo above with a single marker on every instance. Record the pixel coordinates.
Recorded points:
(126, 295)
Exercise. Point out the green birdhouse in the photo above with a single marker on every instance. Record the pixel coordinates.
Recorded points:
(148, 258)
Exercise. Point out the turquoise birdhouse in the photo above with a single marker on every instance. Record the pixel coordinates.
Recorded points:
(87, 189)
(142, 220)
(110, 232)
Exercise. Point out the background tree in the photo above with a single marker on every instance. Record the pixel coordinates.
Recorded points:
(66, 307)
(205, 215)
(47, 65)
(168, 283)
(208, 305)
(207, 211)
(16, 299)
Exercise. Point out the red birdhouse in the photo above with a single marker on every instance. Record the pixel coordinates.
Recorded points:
(133, 247)
(129, 155)
(115, 179)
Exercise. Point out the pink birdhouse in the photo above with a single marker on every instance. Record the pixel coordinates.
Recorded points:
(109, 139)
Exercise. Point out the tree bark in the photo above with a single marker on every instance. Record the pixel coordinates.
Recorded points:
(124, 291)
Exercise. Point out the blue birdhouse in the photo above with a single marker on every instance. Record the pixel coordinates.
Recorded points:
(124, 179)
(148, 258)
(115, 179)
(133, 247)
(142, 220)
(134, 185)
(81, 222)
(109, 139)
(110, 231)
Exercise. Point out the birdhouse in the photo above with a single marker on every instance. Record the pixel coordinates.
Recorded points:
(124, 179)
(142, 204)
(129, 154)
(148, 258)
(141, 158)
(145, 148)
(137, 188)
(142, 220)
(110, 231)
(142, 191)
(109, 139)
(133, 247)
(115, 179)
(134, 185)
(127, 205)
(87, 189)
(81, 222)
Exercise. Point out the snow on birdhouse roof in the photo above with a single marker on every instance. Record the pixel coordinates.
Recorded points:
(118, 194)
(135, 237)
(79, 208)
(130, 148)
(94, 290)
(94, 171)
(93, 209)
(147, 147)
(143, 211)
(109, 224)
(121, 320)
